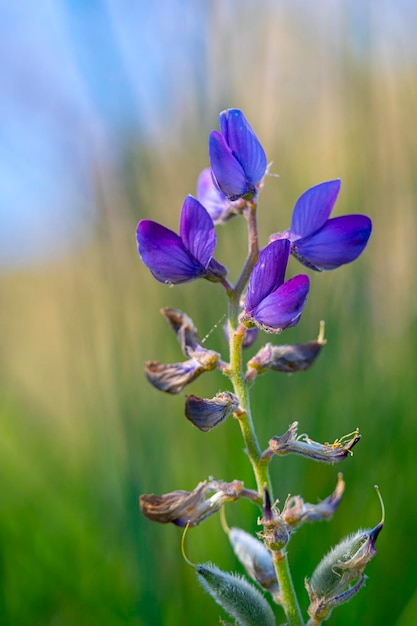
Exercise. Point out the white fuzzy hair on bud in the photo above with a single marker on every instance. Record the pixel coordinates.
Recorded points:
(241, 601)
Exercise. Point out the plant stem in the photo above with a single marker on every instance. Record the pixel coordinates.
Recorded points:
(245, 417)
(260, 467)
(288, 598)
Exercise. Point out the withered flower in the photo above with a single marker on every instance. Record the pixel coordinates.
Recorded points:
(172, 378)
(296, 512)
(206, 413)
(184, 328)
(291, 443)
(192, 507)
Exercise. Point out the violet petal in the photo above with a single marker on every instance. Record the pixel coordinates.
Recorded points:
(313, 208)
(164, 253)
(197, 231)
(227, 171)
(340, 241)
(268, 273)
(282, 308)
(212, 199)
(244, 144)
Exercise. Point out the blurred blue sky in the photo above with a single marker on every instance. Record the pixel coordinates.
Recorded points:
(77, 76)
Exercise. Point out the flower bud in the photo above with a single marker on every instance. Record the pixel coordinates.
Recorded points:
(236, 596)
(255, 558)
(205, 413)
(340, 575)
(344, 563)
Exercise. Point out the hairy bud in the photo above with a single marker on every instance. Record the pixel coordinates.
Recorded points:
(236, 596)
(339, 575)
(256, 559)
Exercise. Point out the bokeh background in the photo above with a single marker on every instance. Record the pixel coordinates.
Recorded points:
(105, 109)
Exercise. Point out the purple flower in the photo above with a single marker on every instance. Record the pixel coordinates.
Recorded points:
(218, 206)
(321, 243)
(180, 258)
(210, 196)
(271, 303)
(238, 161)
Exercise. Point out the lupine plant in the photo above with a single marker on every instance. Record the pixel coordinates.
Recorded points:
(262, 300)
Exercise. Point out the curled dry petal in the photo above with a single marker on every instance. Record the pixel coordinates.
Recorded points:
(191, 507)
(290, 443)
(296, 512)
(286, 358)
(184, 328)
(170, 506)
(172, 378)
(206, 413)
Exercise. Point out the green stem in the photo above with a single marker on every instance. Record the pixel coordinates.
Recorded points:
(288, 597)
(245, 416)
(260, 465)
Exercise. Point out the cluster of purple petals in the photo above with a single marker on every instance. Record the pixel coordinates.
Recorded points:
(238, 166)
(175, 259)
(321, 243)
(272, 303)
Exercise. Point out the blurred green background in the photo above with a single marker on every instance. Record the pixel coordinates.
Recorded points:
(112, 103)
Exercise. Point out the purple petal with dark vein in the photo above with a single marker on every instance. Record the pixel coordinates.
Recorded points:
(268, 273)
(163, 252)
(227, 171)
(244, 144)
(313, 208)
(212, 199)
(340, 241)
(197, 230)
(282, 308)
